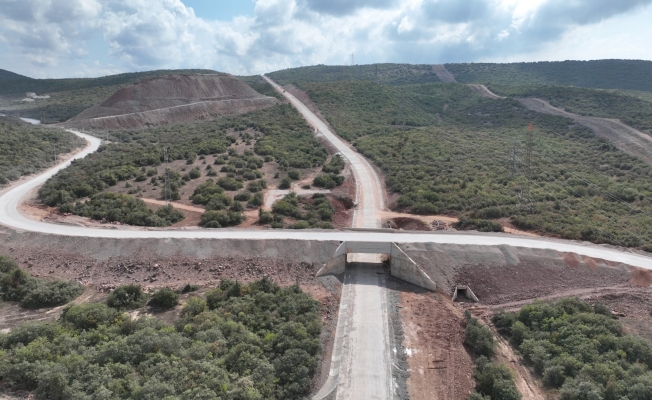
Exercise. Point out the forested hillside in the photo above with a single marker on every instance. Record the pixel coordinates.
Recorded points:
(632, 110)
(26, 148)
(391, 74)
(10, 76)
(256, 341)
(603, 74)
(445, 149)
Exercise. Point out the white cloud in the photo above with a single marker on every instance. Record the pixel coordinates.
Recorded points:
(55, 37)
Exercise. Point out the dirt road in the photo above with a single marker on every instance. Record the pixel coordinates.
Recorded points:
(369, 193)
(624, 137)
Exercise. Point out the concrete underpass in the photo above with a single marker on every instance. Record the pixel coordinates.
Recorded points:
(361, 360)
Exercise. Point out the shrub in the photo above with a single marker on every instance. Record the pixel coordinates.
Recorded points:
(7, 264)
(90, 315)
(494, 380)
(286, 183)
(127, 297)
(194, 173)
(189, 288)
(230, 184)
(164, 298)
(256, 200)
(265, 217)
(328, 181)
(242, 196)
(221, 219)
(194, 306)
(481, 225)
(478, 337)
(51, 294)
(294, 174)
(334, 166)
(170, 214)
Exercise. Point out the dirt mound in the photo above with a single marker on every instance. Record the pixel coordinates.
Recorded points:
(173, 99)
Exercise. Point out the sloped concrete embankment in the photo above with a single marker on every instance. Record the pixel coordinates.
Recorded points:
(505, 273)
(194, 112)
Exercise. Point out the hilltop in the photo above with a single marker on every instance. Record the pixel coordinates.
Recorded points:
(11, 76)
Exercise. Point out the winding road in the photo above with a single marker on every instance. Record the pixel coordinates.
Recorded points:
(364, 359)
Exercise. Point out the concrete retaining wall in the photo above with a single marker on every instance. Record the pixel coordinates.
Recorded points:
(337, 264)
(404, 268)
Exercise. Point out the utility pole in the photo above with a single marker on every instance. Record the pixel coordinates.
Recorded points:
(352, 59)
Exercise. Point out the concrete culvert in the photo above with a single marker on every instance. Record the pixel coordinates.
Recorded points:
(464, 292)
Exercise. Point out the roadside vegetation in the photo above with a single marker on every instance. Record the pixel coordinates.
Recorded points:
(256, 341)
(604, 74)
(580, 350)
(493, 380)
(446, 150)
(18, 285)
(25, 148)
(299, 212)
(233, 180)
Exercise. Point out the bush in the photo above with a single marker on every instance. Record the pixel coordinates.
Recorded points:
(164, 298)
(194, 306)
(478, 337)
(481, 225)
(242, 196)
(221, 219)
(51, 294)
(18, 285)
(335, 166)
(256, 200)
(494, 380)
(286, 183)
(230, 184)
(189, 288)
(127, 297)
(328, 181)
(294, 174)
(194, 173)
(90, 316)
(170, 214)
(265, 217)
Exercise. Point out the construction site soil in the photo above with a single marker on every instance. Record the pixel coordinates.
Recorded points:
(172, 99)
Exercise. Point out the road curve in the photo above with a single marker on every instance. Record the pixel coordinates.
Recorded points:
(369, 192)
(10, 217)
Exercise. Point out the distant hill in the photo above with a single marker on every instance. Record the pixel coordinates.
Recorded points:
(173, 99)
(18, 87)
(391, 74)
(599, 74)
(11, 76)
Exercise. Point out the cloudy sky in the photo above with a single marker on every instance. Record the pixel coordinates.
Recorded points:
(79, 38)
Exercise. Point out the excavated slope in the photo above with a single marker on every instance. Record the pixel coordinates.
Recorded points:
(173, 99)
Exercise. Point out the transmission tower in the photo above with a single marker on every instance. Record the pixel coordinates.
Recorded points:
(167, 189)
(529, 173)
(514, 156)
(352, 59)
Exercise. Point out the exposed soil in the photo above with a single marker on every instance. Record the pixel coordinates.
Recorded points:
(406, 223)
(173, 99)
(443, 74)
(483, 91)
(440, 366)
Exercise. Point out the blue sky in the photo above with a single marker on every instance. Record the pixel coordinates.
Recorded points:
(83, 38)
(221, 10)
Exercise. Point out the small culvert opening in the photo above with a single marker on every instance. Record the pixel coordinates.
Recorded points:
(463, 293)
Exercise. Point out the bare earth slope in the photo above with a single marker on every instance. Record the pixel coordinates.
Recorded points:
(173, 99)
